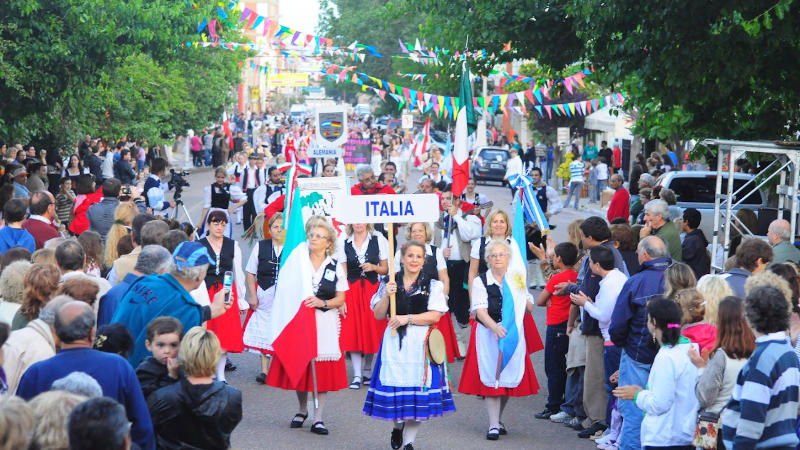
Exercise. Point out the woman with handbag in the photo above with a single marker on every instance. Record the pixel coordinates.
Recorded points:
(717, 376)
(410, 382)
(481, 375)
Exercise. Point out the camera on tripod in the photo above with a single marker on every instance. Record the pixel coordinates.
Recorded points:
(178, 182)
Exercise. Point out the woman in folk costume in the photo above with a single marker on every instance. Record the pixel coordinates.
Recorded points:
(482, 374)
(228, 257)
(409, 386)
(329, 284)
(435, 268)
(498, 226)
(363, 253)
(218, 197)
(262, 276)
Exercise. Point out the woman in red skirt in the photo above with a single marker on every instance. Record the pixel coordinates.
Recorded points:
(228, 257)
(481, 374)
(363, 254)
(329, 285)
(435, 268)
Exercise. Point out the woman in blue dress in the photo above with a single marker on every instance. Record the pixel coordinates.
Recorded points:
(407, 387)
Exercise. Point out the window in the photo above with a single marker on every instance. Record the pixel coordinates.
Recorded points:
(494, 155)
(702, 189)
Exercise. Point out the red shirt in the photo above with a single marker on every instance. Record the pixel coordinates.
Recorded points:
(377, 189)
(620, 205)
(558, 311)
(618, 157)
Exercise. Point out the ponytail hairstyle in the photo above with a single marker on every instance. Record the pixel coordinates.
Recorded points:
(667, 317)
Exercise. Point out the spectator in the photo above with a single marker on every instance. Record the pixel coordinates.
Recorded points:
(79, 383)
(123, 170)
(625, 241)
(40, 223)
(645, 181)
(693, 324)
(769, 278)
(753, 256)
(125, 263)
(576, 179)
(768, 419)
(183, 422)
(656, 217)
(13, 235)
(71, 259)
(668, 195)
(367, 183)
(36, 342)
(94, 164)
(745, 222)
(153, 259)
(41, 281)
(714, 289)
(629, 330)
(162, 369)
(114, 338)
(12, 287)
(92, 245)
(50, 412)
(16, 423)
(678, 276)
(152, 296)
(79, 289)
(779, 236)
(20, 177)
(44, 256)
(36, 180)
(85, 198)
(668, 401)
(101, 215)
(100, 424)
(693, 248)
(620, 202)
(65, 201)
(74, 327)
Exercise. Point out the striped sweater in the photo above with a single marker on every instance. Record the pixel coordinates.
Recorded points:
(762, 412)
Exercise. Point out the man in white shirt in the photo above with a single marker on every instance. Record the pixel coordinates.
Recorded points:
(602, 177)
(601, 261)
(252, 177)
(513, 167)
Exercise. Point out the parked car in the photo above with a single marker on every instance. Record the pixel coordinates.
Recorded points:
(697, 189)
(489, 164)
(438, 138)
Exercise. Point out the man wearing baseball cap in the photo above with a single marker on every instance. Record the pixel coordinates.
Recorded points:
(151, 296)
(20, 176)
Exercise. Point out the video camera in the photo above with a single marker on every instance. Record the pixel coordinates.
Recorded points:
(178, 182)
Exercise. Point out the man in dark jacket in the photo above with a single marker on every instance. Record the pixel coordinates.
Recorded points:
(95, 164)
(595, 398)
(122, 168)
(693, 248)
(628, 330)
(101, 215)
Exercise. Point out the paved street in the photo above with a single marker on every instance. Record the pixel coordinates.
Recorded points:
(267, 411)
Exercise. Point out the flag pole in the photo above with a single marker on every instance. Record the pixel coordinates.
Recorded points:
(314, 382)
(392, 300)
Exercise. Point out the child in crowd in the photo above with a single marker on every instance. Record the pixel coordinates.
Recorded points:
(668, 401)
(694, 327)
(162, 369)
(65, 201)
(556, 337)
(114, 338)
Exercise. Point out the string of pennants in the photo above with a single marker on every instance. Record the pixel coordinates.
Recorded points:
(427, 56)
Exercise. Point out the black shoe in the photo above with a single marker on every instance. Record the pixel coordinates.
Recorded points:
(365, 381)
(298, 420)
(493, 434)
(577, 426)
(261, 378)
(594, 428)
(397, 437)
(545, 414)
(503, 430)
(319, 428)
(229, 366)
(408, 447)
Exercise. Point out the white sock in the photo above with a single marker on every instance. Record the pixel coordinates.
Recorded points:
(221, 367)
(410, 431)
(355, 358)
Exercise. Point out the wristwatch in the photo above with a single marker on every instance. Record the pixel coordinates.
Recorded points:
(325, 304)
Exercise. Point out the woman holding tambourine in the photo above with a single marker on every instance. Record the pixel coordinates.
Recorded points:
(410, 382)
(481, 374)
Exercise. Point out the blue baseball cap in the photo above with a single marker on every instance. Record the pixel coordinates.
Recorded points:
(191, 254)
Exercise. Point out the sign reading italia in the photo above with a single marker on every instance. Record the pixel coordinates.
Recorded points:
(389, 208)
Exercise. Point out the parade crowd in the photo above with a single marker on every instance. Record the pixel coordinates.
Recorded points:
(116, 319)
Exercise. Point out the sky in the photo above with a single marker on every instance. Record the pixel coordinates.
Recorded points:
(302, 15)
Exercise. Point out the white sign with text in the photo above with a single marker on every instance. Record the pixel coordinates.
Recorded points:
(387, 208)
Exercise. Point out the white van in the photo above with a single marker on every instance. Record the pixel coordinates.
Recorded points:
(297, 113)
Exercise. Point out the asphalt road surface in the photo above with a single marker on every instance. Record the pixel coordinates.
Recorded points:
(268, 411)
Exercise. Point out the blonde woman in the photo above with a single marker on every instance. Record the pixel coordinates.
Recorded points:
(123, 217)
(678, 276)
(714, 289)
(329, 283)
(498, 226)
(363, 254)
(50, 412)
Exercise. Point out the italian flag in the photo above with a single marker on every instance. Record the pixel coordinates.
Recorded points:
(292, 325)
(465, 125)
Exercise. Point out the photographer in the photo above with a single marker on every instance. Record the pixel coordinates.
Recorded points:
(155, 189)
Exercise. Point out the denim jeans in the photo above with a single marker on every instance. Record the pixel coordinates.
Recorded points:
(574, 189)
(631, 372)
(573, 393)
(601, 185)
(555, 363)
(611, 356)
(207, 156)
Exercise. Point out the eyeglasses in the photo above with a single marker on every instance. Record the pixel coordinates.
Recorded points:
(316, 236)
(497, 255)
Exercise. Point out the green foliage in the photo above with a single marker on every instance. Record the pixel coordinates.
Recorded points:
(107, 67)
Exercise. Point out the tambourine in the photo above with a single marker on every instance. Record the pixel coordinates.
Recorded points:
(437, 349)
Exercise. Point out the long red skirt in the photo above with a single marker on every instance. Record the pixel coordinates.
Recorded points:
(471, 379)
(533, 341)
(361, 332)
(227, 327)
(331, 376)
(445, 325)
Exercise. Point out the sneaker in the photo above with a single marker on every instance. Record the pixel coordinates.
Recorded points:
(546, 414)
(561, 417)
(595, 428)
(604, 439)
(608, 446)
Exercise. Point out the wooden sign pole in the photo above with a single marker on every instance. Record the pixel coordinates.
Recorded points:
(392, 302)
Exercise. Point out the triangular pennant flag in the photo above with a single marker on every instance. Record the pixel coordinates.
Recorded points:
(251, 20)
(529, 95)
(258, 22)
(579, 78)
(427, 97)
(560, 107)
(571, 108)
(202, 25)
(503, 101)
(545, 92)
(222, 14)
(495, 102)
(267, 25)
(382, 94)
(245, 14)
(539, 109)
(538, 94)
(481, 101)
(568, 84)
(548, 108)
(392, 87)
(406, 93)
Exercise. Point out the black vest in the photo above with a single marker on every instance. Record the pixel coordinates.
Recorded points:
(220, 196)
(495, 299)
(416, 303)
(327, 288)
(223, 262)
(541, 197)
(268, 263)
(246, 173)
(354, 271)
(482, 267)
(429, 269)
(271, 190)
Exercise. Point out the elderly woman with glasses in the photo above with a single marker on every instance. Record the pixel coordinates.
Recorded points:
(218, 196)
(329, 283)
(227, 257)
(482, 374)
